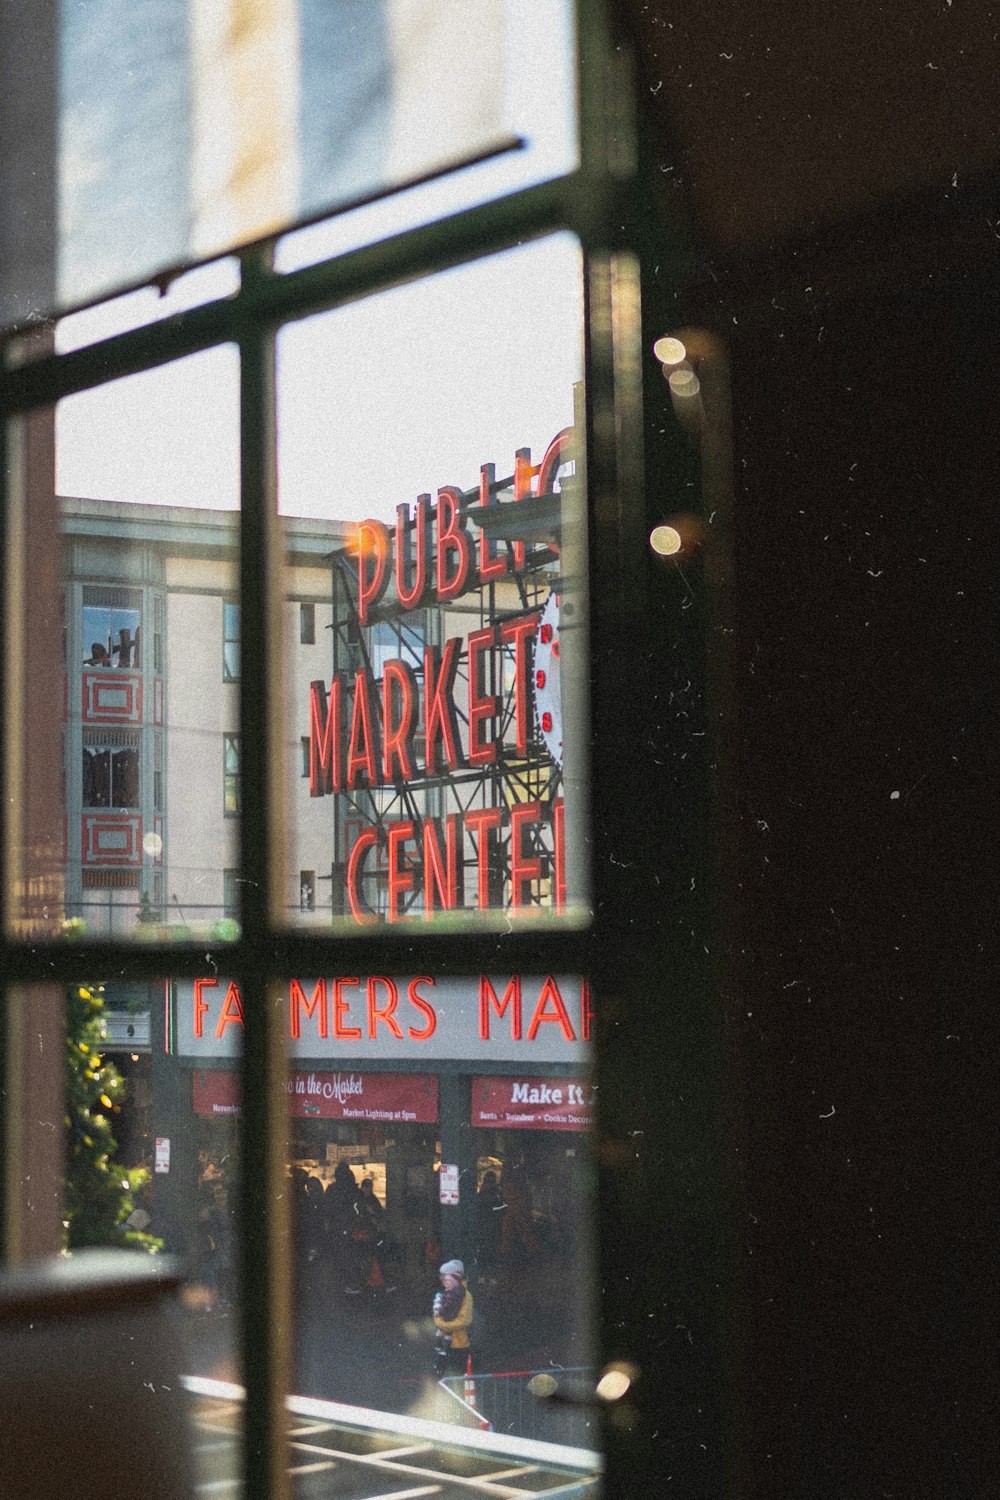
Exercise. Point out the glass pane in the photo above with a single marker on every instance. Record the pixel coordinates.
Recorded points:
(431, 480)
(173, 130)
(124, 641)
(136, 1170)
(431, 1121)
(539, 61)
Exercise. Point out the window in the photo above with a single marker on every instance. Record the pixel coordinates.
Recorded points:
(158, 772)
(304, 747)
(157, 634)
(230, 641)
(231, 893)
(497, 874)
(111, 768)
(112, 628)
(231, 794)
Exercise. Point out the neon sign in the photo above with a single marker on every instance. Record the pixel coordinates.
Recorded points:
(411, 1019)
(462, 706)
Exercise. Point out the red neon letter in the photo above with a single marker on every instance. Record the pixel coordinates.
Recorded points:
(362, 749)
(200, 1005)
(440, 718)
(324, 739)
(232, 1011)
(523, 475)
(559, 850)
(490, 567)
(364, 841)
(479, 822)
(340, 1009)
(419, 1003)
(409, 598)
(488, 1001)
(586, 1010)
(400, 878)
(482, 707)
(397, 734)
(373, 542)
(297, 1003)
(451, 537)
(518, 633)
(384, 1013)
(523, 867)
(550, 992)
(441, 877)
(558, 452)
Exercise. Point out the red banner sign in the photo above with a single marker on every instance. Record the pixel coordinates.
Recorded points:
(532, 1103)
(407, 1098)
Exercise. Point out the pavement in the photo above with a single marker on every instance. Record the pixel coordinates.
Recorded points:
(375, 1349)
(333, 1453)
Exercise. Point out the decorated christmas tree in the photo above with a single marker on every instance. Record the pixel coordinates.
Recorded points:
(99, 1191)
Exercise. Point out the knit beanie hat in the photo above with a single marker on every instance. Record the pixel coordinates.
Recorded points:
(452, 1268)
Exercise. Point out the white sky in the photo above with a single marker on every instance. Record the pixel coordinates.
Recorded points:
(379, 400)
(418, 387)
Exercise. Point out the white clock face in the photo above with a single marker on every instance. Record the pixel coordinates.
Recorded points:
(548, 702)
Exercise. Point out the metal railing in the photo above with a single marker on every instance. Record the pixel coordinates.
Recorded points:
(554, 1406)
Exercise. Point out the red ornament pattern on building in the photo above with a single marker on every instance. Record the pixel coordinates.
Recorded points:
(112, 697)
(111, 839)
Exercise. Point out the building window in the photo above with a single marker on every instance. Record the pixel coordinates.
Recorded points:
(307, 890)
(231, 775)
(112, 627)
(307, 624)
(231, 893)
(230, 641)
(111, 768)
(157, 635)
(404, 639)
(158, 773)
(304, 742)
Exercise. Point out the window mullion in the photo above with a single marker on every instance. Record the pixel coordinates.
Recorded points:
(265, 1296)
(451, 241)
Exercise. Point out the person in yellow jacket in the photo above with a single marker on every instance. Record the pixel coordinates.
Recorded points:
(452, 1319)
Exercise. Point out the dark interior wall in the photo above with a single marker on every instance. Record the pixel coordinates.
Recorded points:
(839, 172)
(866, 442)
(790, 115)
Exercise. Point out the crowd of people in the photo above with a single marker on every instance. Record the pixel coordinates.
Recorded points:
(215, 1243)
(339, 1232)
(501, 1299)
(340, 1238)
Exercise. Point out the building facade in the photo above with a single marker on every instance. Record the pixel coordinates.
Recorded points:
(152, 737)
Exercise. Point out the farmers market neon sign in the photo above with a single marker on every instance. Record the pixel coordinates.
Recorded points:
(412, 1019)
